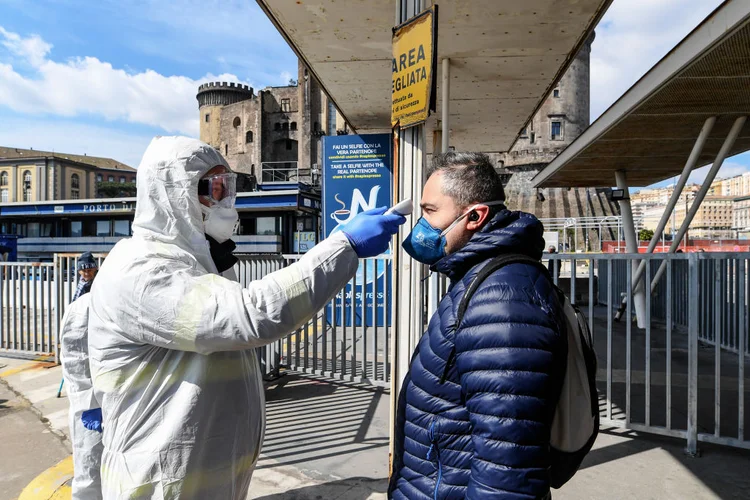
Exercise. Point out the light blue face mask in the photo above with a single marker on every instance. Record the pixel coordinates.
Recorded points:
(426, 244)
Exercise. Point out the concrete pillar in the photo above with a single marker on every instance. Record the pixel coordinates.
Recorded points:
(433, 292)
(631, 245)
(407, 275)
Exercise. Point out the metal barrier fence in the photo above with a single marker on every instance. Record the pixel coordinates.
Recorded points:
(347, 339)
(28, 323)
(722, 275)
(671, 378)
(684, 375)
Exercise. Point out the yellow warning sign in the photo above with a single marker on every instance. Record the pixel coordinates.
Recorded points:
(413, 64)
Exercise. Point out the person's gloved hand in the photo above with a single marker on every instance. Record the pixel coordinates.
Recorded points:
(370, 232)
(92, 419)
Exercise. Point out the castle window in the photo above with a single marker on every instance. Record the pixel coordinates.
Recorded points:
(4, 179)
(236, 122)
(286, 105)
(111, 178)
(226, 149)
(288, 144)
(556, 93)
(556, 131)
(75, 185)
(122, 180)
(98, 177)
(277, 126)
(207, 117)
(285, 126)
(249, 136)
(293, 126)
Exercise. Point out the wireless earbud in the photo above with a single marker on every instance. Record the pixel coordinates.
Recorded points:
(473, 216)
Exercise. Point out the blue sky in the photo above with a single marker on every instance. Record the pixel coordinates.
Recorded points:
(103, 77)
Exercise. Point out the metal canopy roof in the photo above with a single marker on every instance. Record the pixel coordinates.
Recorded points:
(650, 131)
(505, 58)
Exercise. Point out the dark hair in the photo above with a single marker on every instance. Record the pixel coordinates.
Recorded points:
(468, 178)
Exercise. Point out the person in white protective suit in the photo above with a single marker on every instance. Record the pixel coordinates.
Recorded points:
(87, 443)
(171, 341)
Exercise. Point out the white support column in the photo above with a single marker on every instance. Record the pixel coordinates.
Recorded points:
(446, 95)
(407, 275)
(689, 166)
(631, 245)
(433, 293)
(739, 123)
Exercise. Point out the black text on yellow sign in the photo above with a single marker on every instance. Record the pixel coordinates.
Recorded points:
(413, 64)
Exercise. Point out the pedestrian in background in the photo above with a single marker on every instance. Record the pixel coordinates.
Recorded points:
(87, 268)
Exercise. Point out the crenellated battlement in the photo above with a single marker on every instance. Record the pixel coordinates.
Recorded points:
(223, 93)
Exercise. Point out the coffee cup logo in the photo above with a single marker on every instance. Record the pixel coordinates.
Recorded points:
(341, 215)
(358, 203)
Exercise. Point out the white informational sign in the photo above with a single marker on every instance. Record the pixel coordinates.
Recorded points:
(551, 239)
(300, 226)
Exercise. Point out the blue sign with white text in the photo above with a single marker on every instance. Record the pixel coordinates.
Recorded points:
(357, 176)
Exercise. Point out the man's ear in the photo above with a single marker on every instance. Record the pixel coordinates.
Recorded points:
(478, 217)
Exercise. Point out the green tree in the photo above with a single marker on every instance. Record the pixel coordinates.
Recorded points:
(115, 189)
(645, 234)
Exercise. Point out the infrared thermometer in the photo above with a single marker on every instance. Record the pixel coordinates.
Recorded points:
(401, 208)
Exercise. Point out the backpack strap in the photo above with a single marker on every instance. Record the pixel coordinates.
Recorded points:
(488, 269)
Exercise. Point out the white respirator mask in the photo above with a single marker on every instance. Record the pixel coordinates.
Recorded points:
(220, 218)
(219, 222)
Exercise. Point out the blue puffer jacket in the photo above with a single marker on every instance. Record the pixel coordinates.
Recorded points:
(484, 432)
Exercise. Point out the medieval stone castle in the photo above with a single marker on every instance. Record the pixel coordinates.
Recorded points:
(276, 136)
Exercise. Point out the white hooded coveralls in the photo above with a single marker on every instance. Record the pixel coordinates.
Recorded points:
(87, 445)
(171, 341)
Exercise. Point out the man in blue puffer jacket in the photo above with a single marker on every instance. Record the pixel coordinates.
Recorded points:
(476, 407)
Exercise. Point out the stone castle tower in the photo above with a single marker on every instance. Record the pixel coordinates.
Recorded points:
(563, 116)
(274, 134)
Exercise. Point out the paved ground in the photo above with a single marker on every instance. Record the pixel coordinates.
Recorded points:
(29, 446)
(329, 440)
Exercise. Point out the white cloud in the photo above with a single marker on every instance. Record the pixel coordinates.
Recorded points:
(32, 48)
(285, 77)
(632, 37)
(88, 86)
(67, 136)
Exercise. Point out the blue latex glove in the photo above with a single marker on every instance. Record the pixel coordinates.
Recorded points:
(92, 419)
(370, 232)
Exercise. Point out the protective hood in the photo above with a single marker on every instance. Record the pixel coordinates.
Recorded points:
(167, 209)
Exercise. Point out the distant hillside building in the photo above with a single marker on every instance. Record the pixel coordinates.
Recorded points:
(272, 133)
(30, 175)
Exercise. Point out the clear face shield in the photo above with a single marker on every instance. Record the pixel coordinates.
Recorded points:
(218, 190)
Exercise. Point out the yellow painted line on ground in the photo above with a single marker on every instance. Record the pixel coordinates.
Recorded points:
(40, 362)
(52, 484)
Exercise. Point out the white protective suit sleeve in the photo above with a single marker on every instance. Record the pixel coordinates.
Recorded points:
(87, 445)
(180, 309)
